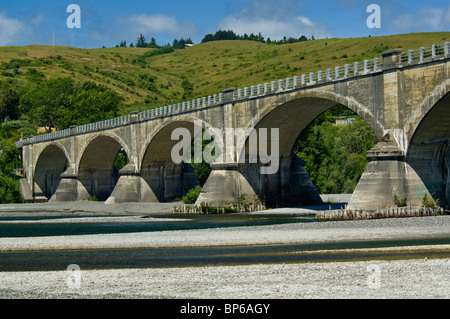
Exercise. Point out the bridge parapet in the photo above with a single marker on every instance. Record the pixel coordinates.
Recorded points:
(426, 54)
(337, 73)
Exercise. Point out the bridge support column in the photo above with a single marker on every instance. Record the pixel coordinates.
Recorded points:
(289, 186)
(225, 185)
(131, 188)
(70, 189)
(388, 180)
(38, 193)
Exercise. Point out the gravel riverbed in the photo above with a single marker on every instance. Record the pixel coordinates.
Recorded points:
(405, 279)
(410, 279)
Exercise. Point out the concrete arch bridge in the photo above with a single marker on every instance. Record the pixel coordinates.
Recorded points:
(403, 96)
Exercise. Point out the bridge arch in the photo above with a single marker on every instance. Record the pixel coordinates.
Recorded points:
(291, 117)
(95, 168)
(415, 119)
(294, 115)
(159, 138)
(429, 148)
(113, 136)
(167, 179)
(51, 163)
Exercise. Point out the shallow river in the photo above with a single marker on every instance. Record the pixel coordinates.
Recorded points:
(168, 222)
(210, 256)
(184, 257)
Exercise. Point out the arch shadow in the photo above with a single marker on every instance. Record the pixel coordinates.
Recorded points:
(167, 178)
(429, 153)
(96, 170)
(52, 162)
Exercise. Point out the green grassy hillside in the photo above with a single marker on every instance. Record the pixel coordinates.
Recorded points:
(147, 82)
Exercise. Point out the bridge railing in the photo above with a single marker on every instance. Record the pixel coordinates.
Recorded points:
(321, 76)
(426, 52)
(123, 120)
(282, 85)
(203, 102)
(46, 137)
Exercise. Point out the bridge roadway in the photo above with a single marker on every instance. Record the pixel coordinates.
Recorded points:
(403, 96)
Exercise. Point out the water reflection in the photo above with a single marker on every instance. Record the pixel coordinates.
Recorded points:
(214, 256)
(33, 226)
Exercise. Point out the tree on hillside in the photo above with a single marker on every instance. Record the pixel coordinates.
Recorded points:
(90, 103)
(60, 103)
(222, 35)
(141, 42)
(230, 35)
(9, 102)
(9, 161)
(45, 102)
(9, 158)
(180, 44)
(152, 43)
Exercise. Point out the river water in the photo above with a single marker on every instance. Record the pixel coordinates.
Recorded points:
(211, 256)
(161, 222)
(31, 225)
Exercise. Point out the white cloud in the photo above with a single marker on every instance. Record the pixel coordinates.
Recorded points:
(160, 24)
(438, 19)
(274, 19)
(424, 20)
(10, 30)
(404, 21)
(275, 29)
(305, 21)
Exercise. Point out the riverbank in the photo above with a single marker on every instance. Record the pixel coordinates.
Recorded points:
(410, 279)
(404, 279)
(85, 208)
(292, 233)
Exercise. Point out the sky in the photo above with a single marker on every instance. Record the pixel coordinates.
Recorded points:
(107, 23)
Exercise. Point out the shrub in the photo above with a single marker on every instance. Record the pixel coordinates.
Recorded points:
(159, 51)
(192, 195)
(428, 202)
(400, 201)
(9, 190)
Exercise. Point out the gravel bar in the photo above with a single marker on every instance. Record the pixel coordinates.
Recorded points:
(405, 279)
(399, 279)
(296, 233)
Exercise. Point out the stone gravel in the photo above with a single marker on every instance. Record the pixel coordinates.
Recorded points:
(405, 279)
(409, 279)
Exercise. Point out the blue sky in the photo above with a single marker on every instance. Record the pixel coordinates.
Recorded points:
(106, 23)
